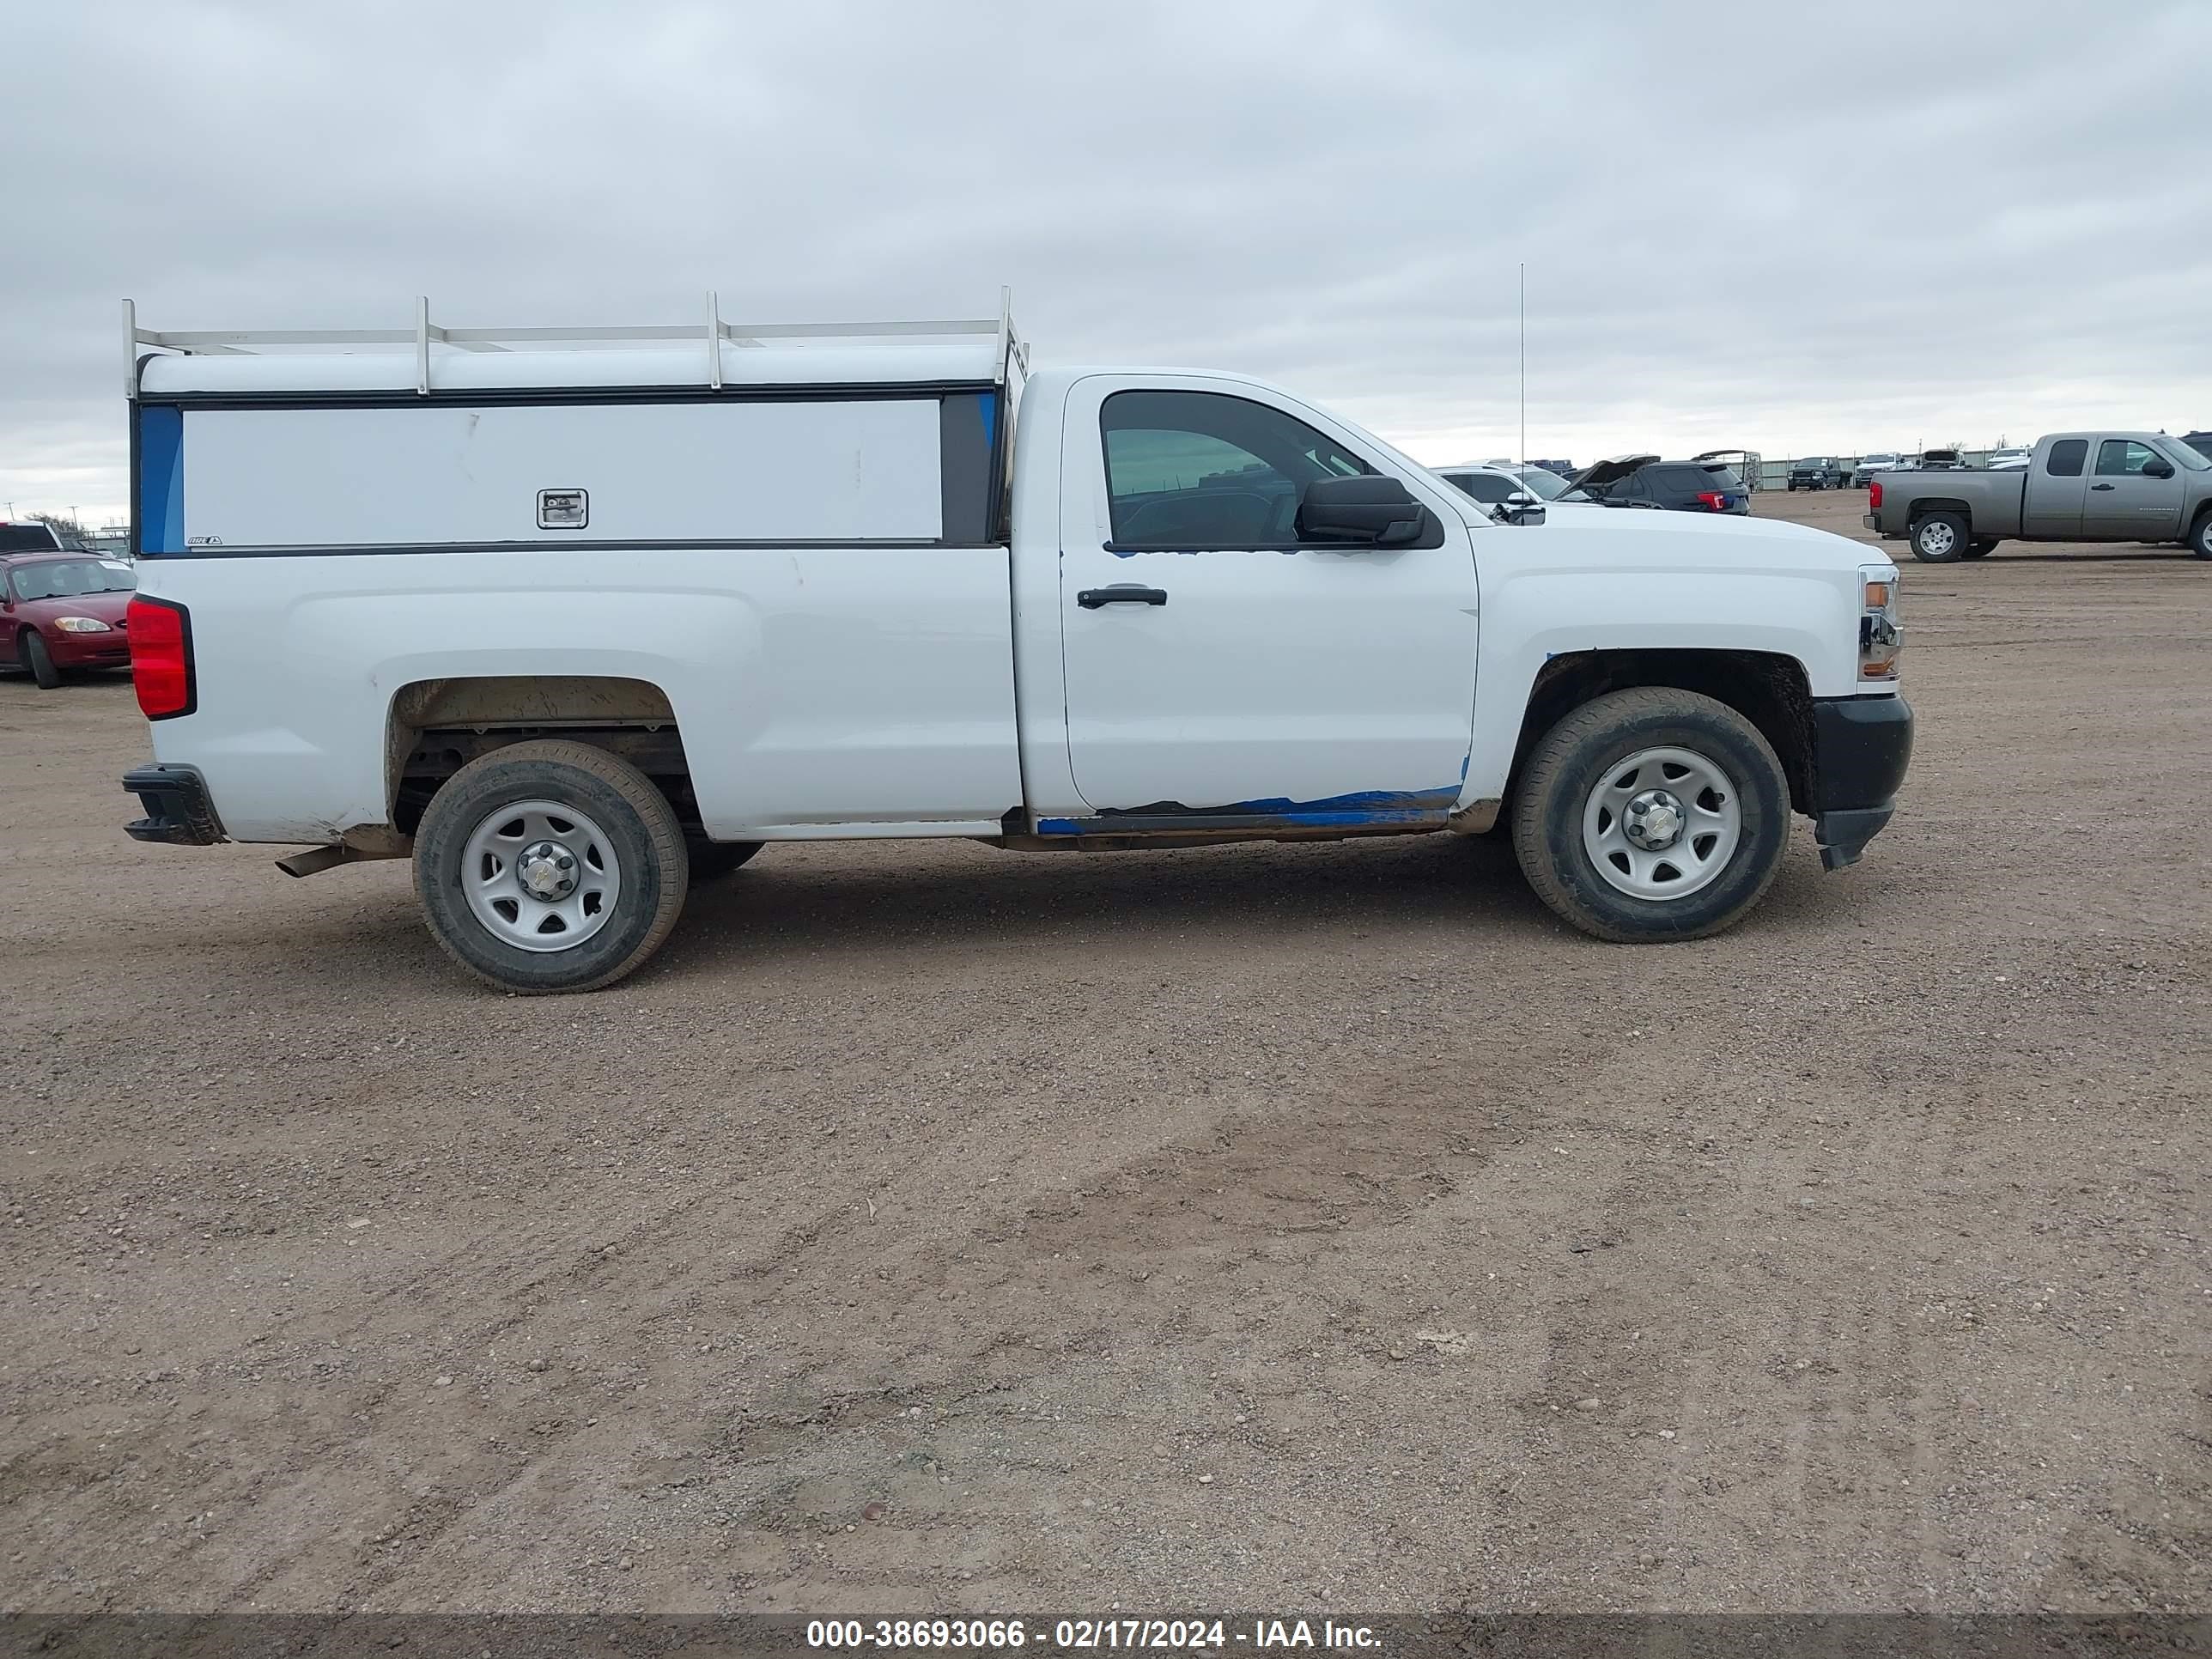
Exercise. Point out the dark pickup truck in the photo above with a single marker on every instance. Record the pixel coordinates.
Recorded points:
(2077, 487)
(1819, 473)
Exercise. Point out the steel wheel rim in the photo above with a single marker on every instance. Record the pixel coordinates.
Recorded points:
(1629, 806)
(1937, 538)
(518, 890)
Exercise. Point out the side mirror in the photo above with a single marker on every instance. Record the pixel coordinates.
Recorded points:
(1519, 507)
(2157, 468)
(1376, 510)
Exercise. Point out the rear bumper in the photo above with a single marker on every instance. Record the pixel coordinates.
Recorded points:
(177, 810)
(1860, 749)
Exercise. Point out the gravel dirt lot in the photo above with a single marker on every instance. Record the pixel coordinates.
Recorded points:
(933, 1228)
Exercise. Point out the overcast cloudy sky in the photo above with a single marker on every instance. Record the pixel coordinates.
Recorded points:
(1794, 228)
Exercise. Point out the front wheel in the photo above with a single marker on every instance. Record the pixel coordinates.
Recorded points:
(550, 867)
(31, 651)
(1651, 815)
(1940, 538)
(2200, 535)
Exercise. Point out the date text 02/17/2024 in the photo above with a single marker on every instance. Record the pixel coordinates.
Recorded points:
(1079, 1634)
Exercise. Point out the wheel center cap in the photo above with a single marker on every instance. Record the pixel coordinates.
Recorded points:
(547, 871)
(1653, 820)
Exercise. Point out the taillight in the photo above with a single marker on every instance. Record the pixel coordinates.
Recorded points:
(1713, 499)
(160, 634)
(1874, 495)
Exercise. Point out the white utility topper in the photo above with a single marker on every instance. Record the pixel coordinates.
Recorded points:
(577, 616)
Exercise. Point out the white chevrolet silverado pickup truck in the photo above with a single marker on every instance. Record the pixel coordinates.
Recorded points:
(576, 617)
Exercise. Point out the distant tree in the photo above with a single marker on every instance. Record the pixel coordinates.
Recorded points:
(63, 525)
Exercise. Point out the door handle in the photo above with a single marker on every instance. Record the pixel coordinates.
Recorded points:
(1120, 593)
(2100, 486)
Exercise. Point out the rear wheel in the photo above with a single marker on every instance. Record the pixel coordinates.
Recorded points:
(549, 866)
(1940, 538)
(1650, 815)
(31, 651)
(2200, 535)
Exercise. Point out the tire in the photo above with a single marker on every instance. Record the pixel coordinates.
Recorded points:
(2200, 535)
(713, 860)
(31, 651)
(618, 829)
(1611, 753)
(1940, 538)
(1981, 547)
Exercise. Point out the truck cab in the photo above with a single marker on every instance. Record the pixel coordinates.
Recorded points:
(572, 628)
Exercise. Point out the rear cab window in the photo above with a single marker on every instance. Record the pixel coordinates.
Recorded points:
(2067, 458)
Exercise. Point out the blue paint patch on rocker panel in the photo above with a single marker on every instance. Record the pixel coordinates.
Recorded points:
(1371, 806)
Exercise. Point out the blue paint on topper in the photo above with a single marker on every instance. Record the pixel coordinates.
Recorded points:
(161, 478)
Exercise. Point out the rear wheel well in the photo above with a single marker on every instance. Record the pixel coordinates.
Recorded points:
(1921, 508)
(437, 727)
(1767, 689)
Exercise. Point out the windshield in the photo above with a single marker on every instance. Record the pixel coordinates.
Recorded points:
(2182, 455)
(1880, 458)
(1544, 484)
(72, 579)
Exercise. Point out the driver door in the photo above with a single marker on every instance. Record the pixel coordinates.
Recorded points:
(1219, 672)
(2124, 502)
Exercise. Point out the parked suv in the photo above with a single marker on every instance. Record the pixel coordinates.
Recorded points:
(1817, 472)
(1673, 486)
(1881, 460)
(1493, 484)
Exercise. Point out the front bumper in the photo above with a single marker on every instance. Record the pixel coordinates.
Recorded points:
(1860, 747)
(177, 810)
(108, 650)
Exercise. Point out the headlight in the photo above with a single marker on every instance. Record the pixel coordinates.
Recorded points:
(83, 625)
(1882, 641)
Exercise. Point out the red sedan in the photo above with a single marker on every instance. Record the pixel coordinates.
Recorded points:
(61, 610)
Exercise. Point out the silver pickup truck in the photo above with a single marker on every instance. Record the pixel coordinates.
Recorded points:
(2077, 487)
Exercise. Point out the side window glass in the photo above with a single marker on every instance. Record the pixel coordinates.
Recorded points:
(2067, 456)
(2122, 458)
(1485, 487)
(1197, 470)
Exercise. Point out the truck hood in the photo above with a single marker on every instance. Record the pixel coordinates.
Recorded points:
(1588, 537)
